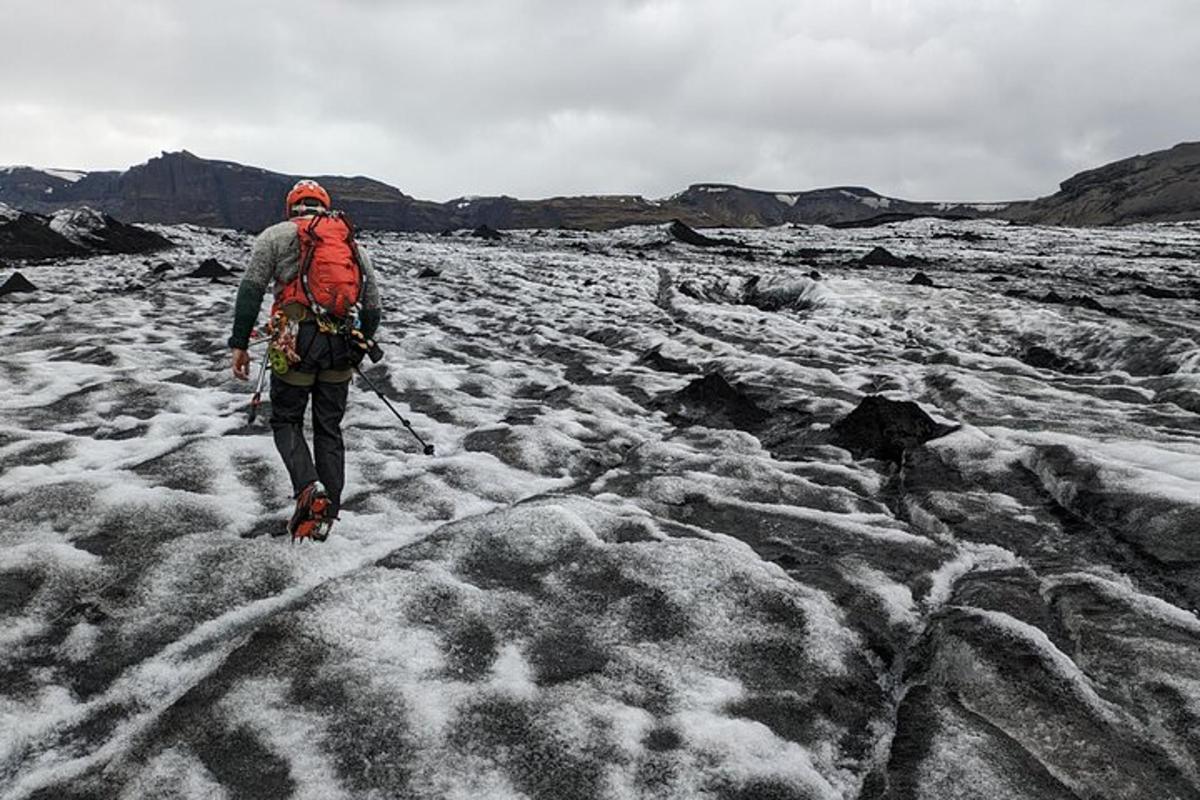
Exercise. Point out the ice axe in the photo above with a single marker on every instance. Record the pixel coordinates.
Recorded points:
(256, 400)
(426, 448)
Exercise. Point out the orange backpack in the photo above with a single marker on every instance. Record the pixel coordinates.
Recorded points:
(330, 279)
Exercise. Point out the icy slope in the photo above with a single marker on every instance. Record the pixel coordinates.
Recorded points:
(606, 584)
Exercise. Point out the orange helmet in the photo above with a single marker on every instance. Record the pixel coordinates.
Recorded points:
(306, 190)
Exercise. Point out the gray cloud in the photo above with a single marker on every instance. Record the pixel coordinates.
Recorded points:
(928, 99)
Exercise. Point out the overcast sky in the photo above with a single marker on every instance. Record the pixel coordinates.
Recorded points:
(923, 99)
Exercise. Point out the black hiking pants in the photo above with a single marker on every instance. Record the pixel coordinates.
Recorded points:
(323, 375)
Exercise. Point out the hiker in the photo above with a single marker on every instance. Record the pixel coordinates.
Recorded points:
(326, 310)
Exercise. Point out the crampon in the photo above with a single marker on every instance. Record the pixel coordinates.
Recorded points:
(312, 518)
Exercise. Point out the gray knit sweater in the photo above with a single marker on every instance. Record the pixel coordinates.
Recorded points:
(274, 263)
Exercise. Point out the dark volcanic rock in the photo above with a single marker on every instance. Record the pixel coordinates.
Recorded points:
(890, 218)
(15, 284)
(1159, 293)
(29, 236)
(883, 428)
(119, 237)
(429, 272)
(1081, 301)
(881, 257)
(77, 232)
(1041, 357)
(808, 253)
(964, 236)
(210, 268)
(742, 253)
(920, 279)
(102, 233)
(712, 401)
(687, 235)
(487, 232)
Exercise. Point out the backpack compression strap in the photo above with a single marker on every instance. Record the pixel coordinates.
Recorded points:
(309, 249)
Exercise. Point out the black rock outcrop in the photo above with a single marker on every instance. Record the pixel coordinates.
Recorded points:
(884, 429)
(16, 284)
(487, 232)
(713, 402)
(921, 279)
(210, 268)
(891, 218)
(688, 235)
(29, 237)
(1041, 357)
(1159, 293)
(114, 236)
(882, 257)
(70, 233)
(1054, 298)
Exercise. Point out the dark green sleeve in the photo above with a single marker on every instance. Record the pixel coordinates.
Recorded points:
(245, 314)
(370, 321)
(259, 274)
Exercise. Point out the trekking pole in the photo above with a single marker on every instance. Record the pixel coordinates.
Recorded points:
(428, 448)
(256, 400)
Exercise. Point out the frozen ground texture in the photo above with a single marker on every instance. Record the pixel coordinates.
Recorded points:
(585, 596)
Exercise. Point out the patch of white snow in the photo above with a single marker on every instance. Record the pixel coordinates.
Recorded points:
(68, 175)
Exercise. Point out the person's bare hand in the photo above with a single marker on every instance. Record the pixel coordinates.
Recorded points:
(241, 364)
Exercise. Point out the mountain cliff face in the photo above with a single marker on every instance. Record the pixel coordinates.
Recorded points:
(182, 187)
(1159, 187)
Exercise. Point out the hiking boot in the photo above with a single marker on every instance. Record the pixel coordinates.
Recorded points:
(312, 518)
